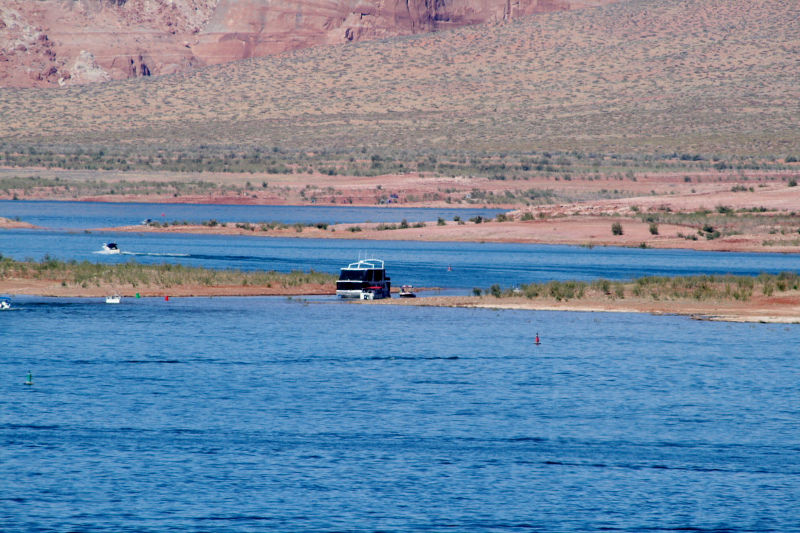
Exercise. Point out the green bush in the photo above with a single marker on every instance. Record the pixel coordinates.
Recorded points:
(616, 228)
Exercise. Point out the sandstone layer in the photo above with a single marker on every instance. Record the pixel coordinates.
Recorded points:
(240, 29)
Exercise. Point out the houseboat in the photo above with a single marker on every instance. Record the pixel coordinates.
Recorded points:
(365, 280)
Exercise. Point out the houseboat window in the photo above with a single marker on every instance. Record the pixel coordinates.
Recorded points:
(353, 274)
(348, 285)
(375, 275)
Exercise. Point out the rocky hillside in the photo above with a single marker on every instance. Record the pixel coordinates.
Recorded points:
(651, 76)
(50, 43)
(249, 28)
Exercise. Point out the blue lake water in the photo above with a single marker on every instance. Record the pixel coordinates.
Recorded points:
(269, 414)
(422, 264)
(88, 215)
(254, 414)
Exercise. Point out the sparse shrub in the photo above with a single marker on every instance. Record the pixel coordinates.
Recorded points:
(476, 291)
(653, 228)
(616, 228)
(354, 229)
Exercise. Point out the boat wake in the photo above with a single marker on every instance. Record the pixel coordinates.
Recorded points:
(145, 254)
(156, 254)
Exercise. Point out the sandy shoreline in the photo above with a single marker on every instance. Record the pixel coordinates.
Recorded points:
(777, 310)
(574, 231)
(782, 309)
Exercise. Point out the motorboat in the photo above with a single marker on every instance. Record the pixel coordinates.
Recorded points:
(114, 298)
(111, 248)
(5, 303)
(407, 291)
(365, 280)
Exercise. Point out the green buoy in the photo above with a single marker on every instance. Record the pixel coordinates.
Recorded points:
(30, 379)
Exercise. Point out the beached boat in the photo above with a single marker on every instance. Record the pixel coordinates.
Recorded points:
(365, 279)
(407, 291)
(111, 248)
(5, 303)
(114, 298)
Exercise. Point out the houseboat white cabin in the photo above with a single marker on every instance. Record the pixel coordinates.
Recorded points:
(365, 280)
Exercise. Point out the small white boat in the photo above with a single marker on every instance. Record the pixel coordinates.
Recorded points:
(111, 248)
(5, 303)
(114, 298)
(407, 291)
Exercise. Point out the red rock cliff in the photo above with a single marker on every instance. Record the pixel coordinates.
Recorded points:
(246, 28)
(48, 43)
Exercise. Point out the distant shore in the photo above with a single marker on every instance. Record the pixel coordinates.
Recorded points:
(691, 209)
(578, 230)
(575, 231)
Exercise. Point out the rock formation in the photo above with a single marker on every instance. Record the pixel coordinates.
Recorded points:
(48, 43)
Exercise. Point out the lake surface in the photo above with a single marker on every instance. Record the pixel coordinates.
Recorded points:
(269, 414)
(88, 215)
(422, 264)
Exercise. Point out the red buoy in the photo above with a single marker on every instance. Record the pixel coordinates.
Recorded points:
(166, 298)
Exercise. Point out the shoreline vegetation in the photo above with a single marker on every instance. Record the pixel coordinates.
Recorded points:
(54, 277)
(768, 298)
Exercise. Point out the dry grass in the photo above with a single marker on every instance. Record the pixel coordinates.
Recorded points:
(132, 275)
(650, 76)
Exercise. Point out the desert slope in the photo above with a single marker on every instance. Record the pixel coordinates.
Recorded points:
(51, 43)
(702, 76)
